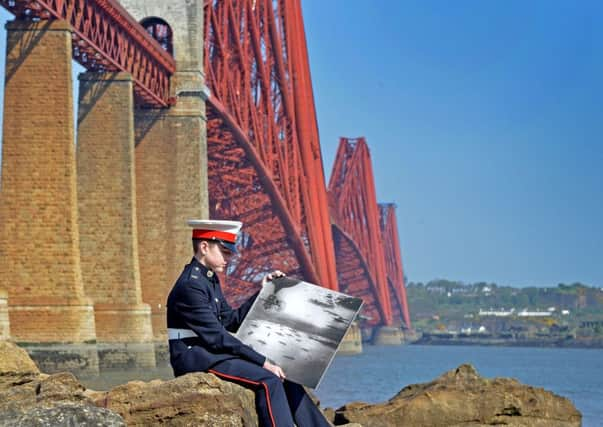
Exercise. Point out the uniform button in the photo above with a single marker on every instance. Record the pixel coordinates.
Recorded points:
(219, 317)
(216, 299)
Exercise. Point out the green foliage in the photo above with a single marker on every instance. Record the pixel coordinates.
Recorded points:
(453, 300)
(572, 289)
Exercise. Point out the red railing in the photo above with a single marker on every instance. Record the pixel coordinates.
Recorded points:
(107, 38)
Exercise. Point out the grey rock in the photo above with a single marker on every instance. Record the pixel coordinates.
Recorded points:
(66, 414)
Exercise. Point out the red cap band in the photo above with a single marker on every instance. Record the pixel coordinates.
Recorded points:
(213, 234)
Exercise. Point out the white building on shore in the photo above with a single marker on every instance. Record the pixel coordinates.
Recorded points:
(526, 313)
(497, 313)
(511, 312)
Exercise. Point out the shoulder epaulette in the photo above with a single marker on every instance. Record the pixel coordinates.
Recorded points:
(196, 275)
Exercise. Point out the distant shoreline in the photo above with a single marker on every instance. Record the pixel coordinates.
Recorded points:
(427, 339)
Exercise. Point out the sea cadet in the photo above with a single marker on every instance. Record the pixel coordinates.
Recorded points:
(199, 320)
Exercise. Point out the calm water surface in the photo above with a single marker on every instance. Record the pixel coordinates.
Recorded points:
(381, 371)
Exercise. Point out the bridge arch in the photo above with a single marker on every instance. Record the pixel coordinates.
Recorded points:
(354, 276)
(255, 199)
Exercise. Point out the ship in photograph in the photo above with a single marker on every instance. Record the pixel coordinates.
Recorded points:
(299, 326)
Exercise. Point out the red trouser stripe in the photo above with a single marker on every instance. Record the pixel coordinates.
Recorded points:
(248, 381)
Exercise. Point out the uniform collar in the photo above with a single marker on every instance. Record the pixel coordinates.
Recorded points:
(203, 270)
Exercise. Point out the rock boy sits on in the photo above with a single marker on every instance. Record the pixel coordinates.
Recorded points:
(199, 318)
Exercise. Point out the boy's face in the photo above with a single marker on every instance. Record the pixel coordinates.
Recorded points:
(214, 256)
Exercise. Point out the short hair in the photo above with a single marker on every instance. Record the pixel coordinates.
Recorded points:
(197, 242)
(196, 245)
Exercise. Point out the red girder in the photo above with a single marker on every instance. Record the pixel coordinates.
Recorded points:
(393, 261)
(355, 277)
(353, 206)
(261, 171)
(107, 38)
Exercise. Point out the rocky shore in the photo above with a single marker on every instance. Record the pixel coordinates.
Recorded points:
(460, 397)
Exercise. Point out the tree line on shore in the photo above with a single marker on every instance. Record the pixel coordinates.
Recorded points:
(443, 301)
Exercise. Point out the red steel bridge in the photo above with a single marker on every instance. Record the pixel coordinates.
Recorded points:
(264, 158)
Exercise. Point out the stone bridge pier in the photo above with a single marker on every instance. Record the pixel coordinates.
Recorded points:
(93, 234)
(107, 220)
(39, 234)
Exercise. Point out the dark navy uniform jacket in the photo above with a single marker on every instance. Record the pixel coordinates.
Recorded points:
(196, 302)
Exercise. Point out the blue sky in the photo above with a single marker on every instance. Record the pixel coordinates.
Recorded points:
(484, 124)
(483, 121)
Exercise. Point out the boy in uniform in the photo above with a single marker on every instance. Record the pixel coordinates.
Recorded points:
(199, 320)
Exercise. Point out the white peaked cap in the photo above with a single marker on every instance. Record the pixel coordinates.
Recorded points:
(222, 231)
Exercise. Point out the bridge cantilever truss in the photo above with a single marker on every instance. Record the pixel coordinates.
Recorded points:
(265, 166)
(353, 205)
(393, 262)
(107, 38)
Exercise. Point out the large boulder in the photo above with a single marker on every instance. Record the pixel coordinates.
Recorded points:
(15, 360)
(19, 377)
(30, 398)
(462, 397)
(195, 399)
(16, 367)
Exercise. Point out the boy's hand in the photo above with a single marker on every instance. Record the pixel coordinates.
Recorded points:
(275, 369)
(271, 276)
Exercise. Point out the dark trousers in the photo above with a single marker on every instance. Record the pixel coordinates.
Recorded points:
(278, 403)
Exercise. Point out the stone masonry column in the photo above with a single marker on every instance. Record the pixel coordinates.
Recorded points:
(352, 341)
(171, 188)
(39, 241)
(171, 157)
(107, 218)
(154, 174)
(387, 335)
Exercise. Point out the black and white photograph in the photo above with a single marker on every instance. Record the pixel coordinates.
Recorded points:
(299, 325)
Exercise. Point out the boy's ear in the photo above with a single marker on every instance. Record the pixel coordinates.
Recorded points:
(203, 245)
